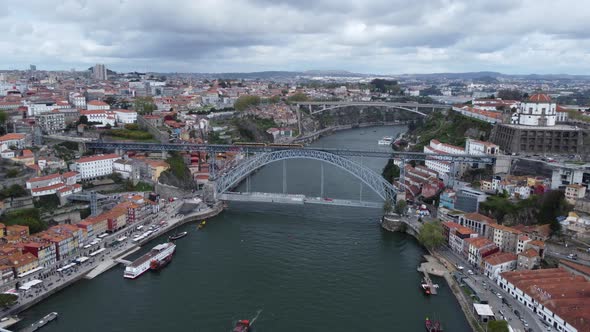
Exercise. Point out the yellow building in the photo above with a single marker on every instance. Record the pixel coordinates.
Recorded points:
(23, 263)
(156, 167)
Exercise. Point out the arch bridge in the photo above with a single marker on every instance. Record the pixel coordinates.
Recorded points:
(330, 105)
(228, 180)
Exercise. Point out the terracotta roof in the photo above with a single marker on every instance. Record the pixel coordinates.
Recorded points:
(451, 224)
(69, 174)
(575, 266)
(565, 294)
(479, 217)
(530, 253)
(500, 258)
(52, 187)
(44, 178)
(505, 228)
(537, 243)
(97, 103)
(12, 137)
(540, 98)
(98, 157)
(479, 242)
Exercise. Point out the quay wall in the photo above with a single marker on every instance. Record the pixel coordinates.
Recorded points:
(217, 208)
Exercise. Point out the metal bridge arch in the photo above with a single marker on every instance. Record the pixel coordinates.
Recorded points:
(376, 182)
(413, 110)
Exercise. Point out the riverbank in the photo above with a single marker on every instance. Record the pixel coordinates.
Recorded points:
(56, 283)
(310, 138)
(439, 266)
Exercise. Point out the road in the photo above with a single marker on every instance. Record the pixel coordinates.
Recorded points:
(52, 279)
(487, 290)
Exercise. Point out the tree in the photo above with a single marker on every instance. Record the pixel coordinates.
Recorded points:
(83, 119)
(274, 99)
(144, 105)
(3, 122)
(246, 101)
(400, 207)
(7, 300)
(431, 235)
(297, 97)
(385, 86)
(387, 206)
(497, 326)
(110, 100)
(390, 171)
(510, 94)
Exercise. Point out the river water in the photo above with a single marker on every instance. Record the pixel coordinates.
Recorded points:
(303, 268)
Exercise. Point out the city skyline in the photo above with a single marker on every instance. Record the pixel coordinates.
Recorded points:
(378, 37)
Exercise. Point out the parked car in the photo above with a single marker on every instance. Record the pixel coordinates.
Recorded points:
(470, 272)
(499, 295)
(460, 268)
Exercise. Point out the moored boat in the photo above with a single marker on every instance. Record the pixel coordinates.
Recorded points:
(386, 140)
(432, 326)
(157, 264)
(425, 287)
(202, 224)
(242, 326)
(177, 236)
(162, 253)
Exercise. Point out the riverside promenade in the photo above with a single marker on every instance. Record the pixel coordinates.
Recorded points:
(56, 281)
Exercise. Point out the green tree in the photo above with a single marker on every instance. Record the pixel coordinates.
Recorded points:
(274, 99)
(3, 122)
(111, 100)
(83, 119)
(497, 326)
(297, 97)
(510, 94)
(144, 105)
(246, 101)
(7, 300)
(387, 206)
(431, 234)
(14, 190)
(390, 171)
(400, 207)
(12, 173)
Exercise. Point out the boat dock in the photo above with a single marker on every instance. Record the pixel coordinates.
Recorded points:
(9, 322)
(431, 266)
(42, 322)
(123, 261)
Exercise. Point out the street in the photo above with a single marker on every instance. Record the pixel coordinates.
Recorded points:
(487, 290)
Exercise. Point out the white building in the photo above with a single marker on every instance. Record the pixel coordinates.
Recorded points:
(498, 263)
(556, 296)
(573, 192)
(51, 123)
(12, 140)
(100, 116)
(125, 116)
(478, 148)
(40, 108)
(78, 100)
(97, 105)
(443, 168)
(538, 110)
(127, 168)
(95, 166)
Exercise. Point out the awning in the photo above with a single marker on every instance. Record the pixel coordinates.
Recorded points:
(97, 252)
(81, 259)
(30, 272)
(63, 268)
(28, 285)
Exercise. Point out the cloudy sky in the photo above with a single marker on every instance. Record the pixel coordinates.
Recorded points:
(369, 36)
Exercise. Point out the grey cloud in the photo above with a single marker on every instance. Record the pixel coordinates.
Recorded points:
(237, 35)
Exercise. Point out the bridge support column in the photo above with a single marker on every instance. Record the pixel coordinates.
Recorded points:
(82, 147)
(284, 176)
(164, 154)
(322, 180)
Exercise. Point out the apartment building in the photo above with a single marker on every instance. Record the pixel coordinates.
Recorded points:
(96, 166)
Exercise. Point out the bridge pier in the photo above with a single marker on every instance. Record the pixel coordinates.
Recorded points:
(164, 154)
(82, 147)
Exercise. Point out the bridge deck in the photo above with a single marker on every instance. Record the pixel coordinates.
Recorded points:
(295, 199)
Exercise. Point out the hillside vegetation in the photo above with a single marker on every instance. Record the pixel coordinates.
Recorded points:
(451, 128)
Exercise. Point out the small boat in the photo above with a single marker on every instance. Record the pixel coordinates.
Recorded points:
(242, 326)
(386, 140)
(177, 236)
(432, 326)
(425, 287)
(202, 224)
